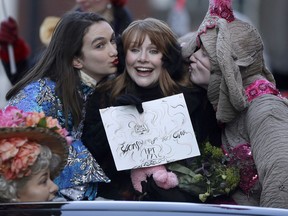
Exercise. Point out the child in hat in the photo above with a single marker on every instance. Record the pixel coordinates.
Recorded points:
(33, 150)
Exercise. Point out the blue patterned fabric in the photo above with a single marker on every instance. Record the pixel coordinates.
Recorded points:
(79, 178)
(81, 168)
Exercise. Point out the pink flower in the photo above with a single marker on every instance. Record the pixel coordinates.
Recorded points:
(33, 118)
(69, 139)
(20, 155)
(53, 123)
(25, 158)
(10, 147)
(12, 117)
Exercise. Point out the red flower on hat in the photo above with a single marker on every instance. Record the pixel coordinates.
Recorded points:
(14, 117)
(10, 149)
(16, 156)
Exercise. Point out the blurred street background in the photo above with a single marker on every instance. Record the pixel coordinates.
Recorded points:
(269, 17)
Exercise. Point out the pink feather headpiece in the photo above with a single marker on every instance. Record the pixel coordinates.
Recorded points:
(218, 9)
(222, 9)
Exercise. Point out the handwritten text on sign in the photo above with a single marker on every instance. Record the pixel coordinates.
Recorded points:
(162, 134)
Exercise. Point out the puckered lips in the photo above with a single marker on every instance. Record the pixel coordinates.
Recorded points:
(115, 62)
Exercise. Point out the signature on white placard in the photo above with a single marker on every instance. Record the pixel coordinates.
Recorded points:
(163, 133)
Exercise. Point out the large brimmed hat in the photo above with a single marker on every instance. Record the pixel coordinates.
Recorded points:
(32, 127)
(43, 136)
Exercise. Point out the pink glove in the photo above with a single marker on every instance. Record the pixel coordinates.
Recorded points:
(8, 32)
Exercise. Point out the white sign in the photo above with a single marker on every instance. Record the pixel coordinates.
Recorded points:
(163, 133)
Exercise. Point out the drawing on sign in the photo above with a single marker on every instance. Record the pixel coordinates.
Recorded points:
(162, 134)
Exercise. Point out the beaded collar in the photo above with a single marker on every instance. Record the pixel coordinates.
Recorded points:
(261, 87)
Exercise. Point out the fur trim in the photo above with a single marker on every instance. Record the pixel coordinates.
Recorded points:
(47, 28)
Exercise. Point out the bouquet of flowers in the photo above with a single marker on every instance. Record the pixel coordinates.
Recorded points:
(208, 175)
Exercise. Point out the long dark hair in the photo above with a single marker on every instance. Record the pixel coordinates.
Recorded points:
(56, 62)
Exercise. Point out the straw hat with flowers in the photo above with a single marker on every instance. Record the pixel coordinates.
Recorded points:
(21, 134)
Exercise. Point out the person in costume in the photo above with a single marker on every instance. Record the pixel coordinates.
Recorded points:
(153, 70)
(33, 150)
(81, 55)
(226, 58)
